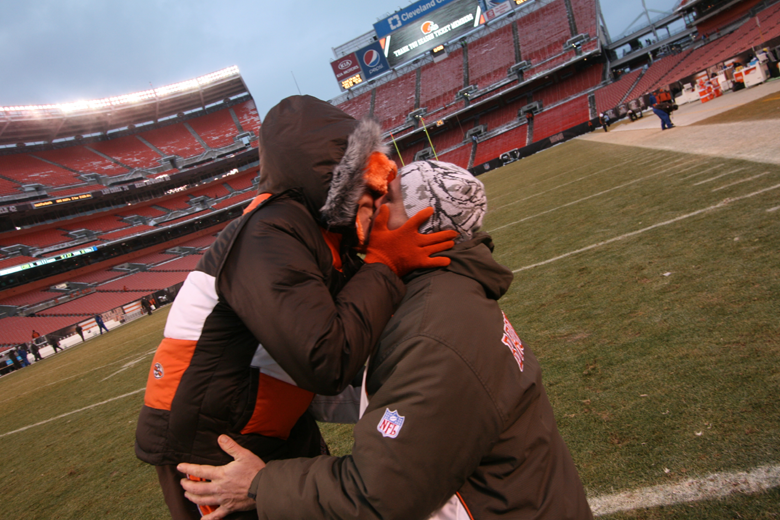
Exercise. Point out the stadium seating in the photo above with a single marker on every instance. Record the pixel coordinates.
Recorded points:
(564, 116)
(128, 150)
(235, 200)
(216, 129)
(101, 223)
(493, 148)
(96, 302)
(142, 211)
(25, 169)
(544, 32)
(610, 96)
(201, 242)
(359, 106)
(145, 281)
(214, 190)
(242, 181)
(459, 156)
(153, 258)
(29, 298)
(65, 192)
(502, 115)
(585, 17)
(248, 117)
(490, 57)
(174, 203)
(577, 82)
(174, 139)
(186, 263)
(439, 82)
(394, 100)
(125, 232)
(655, 74)
(82, 160)
(8, 187)
(183, 219)
(36, 238)
(100, 276)
(18, 329)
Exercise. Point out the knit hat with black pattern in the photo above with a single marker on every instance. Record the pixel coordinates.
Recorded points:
(456, 196)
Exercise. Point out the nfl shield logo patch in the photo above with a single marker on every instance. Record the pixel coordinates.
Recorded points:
(391, 423)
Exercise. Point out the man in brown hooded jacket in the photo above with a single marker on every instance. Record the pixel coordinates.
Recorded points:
(456, 423)
(280, 307)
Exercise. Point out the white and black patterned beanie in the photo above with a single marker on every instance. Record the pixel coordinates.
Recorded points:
(456, 196)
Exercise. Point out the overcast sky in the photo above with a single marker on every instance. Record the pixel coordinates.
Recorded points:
(55, 51)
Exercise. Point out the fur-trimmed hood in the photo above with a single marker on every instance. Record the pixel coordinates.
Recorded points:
(310, 146)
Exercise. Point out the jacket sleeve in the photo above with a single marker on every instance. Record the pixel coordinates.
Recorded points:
(275, 284)
(449, 423)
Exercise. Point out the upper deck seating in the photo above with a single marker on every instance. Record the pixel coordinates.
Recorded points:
(83, 160)
(439, 82)
(359, 106)
(585, 17)
(128, 150)
(153, 258)
(142, 211)
(216, 129)
(99, 276)
(490, 57)
(214, 190)
(101, 223)
(8, 187)
(241, 181)
(543, 32)
(146, 281)
(655, 73)
(394, 100)
(247, 115)
(459, 156)
(174, 139)
(175, 203)
(203, 242)
(26, 169)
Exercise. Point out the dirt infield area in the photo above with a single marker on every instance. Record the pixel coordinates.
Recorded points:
(735, 126)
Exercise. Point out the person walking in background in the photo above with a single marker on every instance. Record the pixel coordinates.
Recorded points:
(16, 359)
(604, 121)
(35, 351)
(35, 334)
(146, 306)
(80, 331)
(100, 324)
(666, 121)
(54, 341)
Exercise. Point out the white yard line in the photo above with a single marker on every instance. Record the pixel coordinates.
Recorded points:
(564, 185)
(741, 181)
(770, 210)
(719, 205)
(75, 411)
(580, 200)
(701, 172)
(713, 486)
(719, 176)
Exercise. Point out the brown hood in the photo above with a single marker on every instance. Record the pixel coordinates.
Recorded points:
(303, 140)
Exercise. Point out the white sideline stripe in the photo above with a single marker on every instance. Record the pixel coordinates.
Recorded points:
(719, 176)
(580, 200)
(719, 205)
(566, 184)
(75, 411)
(713, 486)
(741, 181)
(770, 210)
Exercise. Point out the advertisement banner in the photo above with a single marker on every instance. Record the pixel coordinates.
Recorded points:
(441, 26)
(372, 60)
(345, 67)
(407, 15)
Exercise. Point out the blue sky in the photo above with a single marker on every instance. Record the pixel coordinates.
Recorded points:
(57, 52)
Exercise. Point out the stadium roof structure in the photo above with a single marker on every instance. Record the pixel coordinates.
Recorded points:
(47, 123)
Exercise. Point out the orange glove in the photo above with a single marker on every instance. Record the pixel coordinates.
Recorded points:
(405, 249)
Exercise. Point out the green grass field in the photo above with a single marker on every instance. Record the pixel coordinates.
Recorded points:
(647, 283)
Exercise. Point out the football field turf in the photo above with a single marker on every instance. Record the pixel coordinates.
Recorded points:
(647, 282)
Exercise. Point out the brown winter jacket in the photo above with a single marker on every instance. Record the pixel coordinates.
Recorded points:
(456, 415)
(266, 320)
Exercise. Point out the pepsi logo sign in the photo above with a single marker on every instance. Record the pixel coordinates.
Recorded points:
(428, 27)
(345, 64)
(371, 58)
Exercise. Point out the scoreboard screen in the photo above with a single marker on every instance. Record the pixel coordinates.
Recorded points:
(352, 81)
(435, 28)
